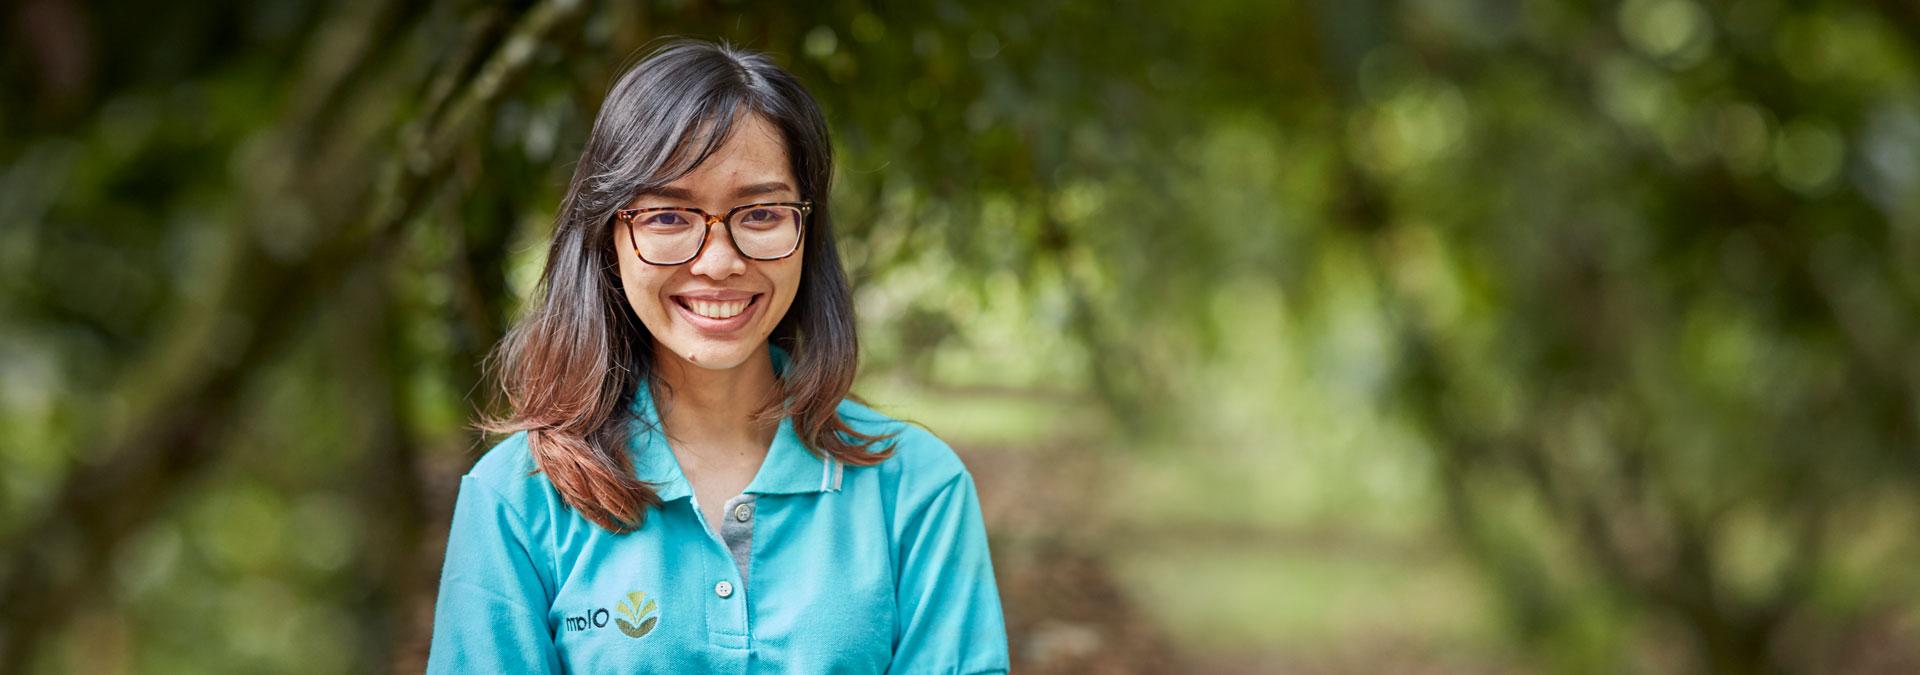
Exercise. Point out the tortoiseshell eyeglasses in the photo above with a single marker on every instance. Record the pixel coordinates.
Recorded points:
(672, 235)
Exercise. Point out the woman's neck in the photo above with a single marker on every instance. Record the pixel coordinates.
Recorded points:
(705, 408)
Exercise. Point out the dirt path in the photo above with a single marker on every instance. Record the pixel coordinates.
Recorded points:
(1066, 612)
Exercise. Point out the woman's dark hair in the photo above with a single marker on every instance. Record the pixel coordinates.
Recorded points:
(571, 367)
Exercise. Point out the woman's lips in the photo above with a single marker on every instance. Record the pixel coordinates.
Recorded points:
(718, 305)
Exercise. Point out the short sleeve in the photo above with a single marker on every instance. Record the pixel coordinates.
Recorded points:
(949, 613)
(490, 616)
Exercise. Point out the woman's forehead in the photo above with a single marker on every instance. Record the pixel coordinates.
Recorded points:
(751, 161)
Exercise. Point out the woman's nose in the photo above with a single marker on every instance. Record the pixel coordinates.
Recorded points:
(719, 259)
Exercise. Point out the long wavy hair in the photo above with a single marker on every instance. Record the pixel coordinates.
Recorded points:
(572, 365)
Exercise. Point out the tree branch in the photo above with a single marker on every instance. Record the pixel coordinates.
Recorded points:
(199, 381)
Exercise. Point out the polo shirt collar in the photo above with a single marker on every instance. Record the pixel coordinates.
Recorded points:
(790, 468)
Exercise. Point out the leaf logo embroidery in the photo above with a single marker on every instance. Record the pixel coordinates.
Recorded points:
(633, 609)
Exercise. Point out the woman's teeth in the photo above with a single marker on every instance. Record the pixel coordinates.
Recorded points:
(717, 310)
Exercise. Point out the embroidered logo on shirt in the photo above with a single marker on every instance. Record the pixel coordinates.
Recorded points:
(634, 610)
(638, 617)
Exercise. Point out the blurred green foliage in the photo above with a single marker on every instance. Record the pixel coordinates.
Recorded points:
(1619, 301)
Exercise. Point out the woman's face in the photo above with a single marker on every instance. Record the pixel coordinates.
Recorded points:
(716, 310)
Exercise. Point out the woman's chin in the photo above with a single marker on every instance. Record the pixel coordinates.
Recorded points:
(717, 354)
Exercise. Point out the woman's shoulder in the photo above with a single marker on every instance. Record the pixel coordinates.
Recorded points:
(919, 456)
(509, 472)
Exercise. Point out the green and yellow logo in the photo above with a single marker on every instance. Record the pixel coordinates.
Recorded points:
(643, 616)
(638, 617)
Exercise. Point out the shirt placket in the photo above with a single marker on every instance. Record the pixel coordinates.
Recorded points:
(728, 624)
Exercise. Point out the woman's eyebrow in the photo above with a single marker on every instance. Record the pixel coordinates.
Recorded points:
(761, 189)
(665, 192)
(685, 195)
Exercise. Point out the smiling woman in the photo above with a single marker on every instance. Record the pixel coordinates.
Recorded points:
(681, 424)
(715, 305)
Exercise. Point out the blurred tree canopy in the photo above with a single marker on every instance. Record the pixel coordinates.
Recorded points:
(1643, 277)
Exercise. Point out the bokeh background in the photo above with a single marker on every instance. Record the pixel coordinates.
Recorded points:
(1336, 336)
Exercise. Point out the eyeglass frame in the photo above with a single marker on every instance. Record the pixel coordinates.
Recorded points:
(626, 216)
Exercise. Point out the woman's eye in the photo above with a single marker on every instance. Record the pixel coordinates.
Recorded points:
(759, 216)
(666, 219)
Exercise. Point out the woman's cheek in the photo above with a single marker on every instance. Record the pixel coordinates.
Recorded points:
(786, 289)
(643, 296)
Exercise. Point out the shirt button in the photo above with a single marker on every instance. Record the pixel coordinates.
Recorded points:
(743, 512)
(723, 589)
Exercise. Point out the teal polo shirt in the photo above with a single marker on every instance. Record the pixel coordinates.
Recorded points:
(820, 568)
